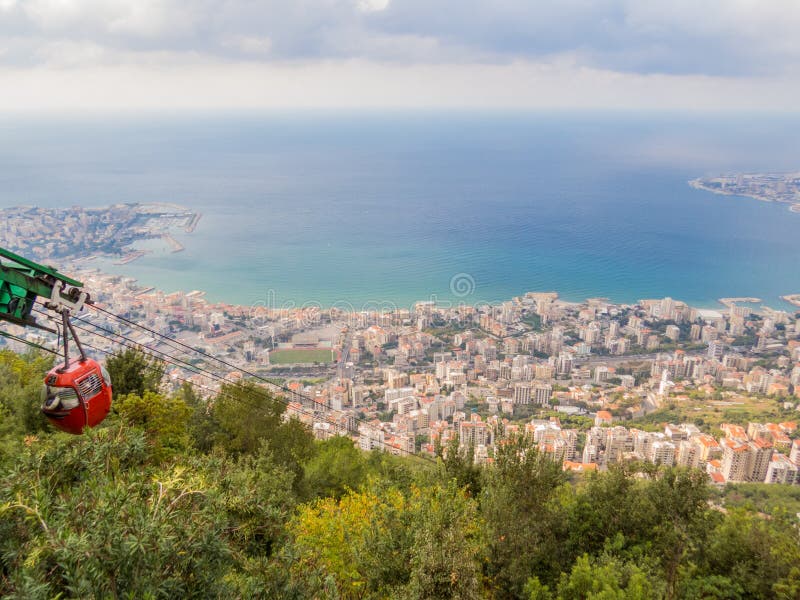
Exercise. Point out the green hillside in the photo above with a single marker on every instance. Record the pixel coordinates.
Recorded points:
(176, 498)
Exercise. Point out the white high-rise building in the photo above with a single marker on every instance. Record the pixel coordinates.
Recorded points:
(662, 453)
(542, 393)
(522, 393)
(735, 460)
(781, 470)
(760, 456)
(564, 366)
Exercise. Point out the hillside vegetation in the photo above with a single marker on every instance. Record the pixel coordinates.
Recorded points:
(176, 498)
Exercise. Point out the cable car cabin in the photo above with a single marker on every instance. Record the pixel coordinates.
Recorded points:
(77, 397)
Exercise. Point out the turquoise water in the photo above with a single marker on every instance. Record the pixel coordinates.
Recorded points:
(390, 208)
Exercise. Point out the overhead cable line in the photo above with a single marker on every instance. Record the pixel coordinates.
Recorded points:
(223, 362)
(150, 353)
(182, 364)
(26, 342)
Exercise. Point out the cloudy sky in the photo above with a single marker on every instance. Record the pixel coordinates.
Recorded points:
(641, 54)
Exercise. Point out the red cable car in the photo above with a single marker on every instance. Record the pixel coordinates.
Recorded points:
(76, 396)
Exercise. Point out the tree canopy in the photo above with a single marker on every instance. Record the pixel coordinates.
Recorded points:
(134, 372)
(177, 495)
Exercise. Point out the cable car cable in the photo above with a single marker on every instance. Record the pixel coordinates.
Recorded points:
(206, 354)
(170, 359)
(136, 346)
(283, 388)
(26, 342)
(220, 392)
(183, 379)
(69, 303)
(228, 364)
(197, 350)
(185, 366)
(161, 352)
(188, 364)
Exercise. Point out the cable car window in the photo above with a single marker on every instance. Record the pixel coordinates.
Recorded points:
(90, 385)
(60, 398)
(106, 376)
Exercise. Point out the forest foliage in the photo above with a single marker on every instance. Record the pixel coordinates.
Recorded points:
(176, 496)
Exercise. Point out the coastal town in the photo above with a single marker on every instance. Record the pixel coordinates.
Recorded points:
(593, 383)
(768, 187)
(85, 233)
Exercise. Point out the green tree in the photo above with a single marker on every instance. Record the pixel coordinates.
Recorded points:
(524, 518)
(21, 380)
(356, 547)
(711, 587)
(682, 519)
(788, 587)
(337, 465)
(257, 498)
(164, 419)
(607, 579)
(132, 371)
(536, 590)
(605, 506)
(379, 543)
(84, 517)
(459, 464)
(448, 546)
(753, 552)
(202, 427)
(243, 416)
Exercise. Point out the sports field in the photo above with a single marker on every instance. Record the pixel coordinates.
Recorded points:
(300, 355)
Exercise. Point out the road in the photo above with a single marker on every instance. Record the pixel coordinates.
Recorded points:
(345, 355)
(615, 360)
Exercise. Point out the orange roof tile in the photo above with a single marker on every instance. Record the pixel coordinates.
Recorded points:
(708, 441)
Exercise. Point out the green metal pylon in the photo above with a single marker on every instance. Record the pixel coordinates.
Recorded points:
(22, 281)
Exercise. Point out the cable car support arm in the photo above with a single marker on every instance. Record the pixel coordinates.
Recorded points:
(23, 281)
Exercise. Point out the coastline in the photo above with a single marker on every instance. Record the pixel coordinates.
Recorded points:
(770, 188)
(741, 300)
(112, 232)
(273, 300)
(130, 257)
(193, 222)
(793, 299)
(175, 245)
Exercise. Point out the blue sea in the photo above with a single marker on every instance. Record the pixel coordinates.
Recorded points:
(364, 209)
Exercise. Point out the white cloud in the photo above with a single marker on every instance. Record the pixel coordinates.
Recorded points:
(666, 36)
(516, 52)
(364, 84)
(150, 18)
(249, 44)
(145, 18)
(372, 5)
(69, 54)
